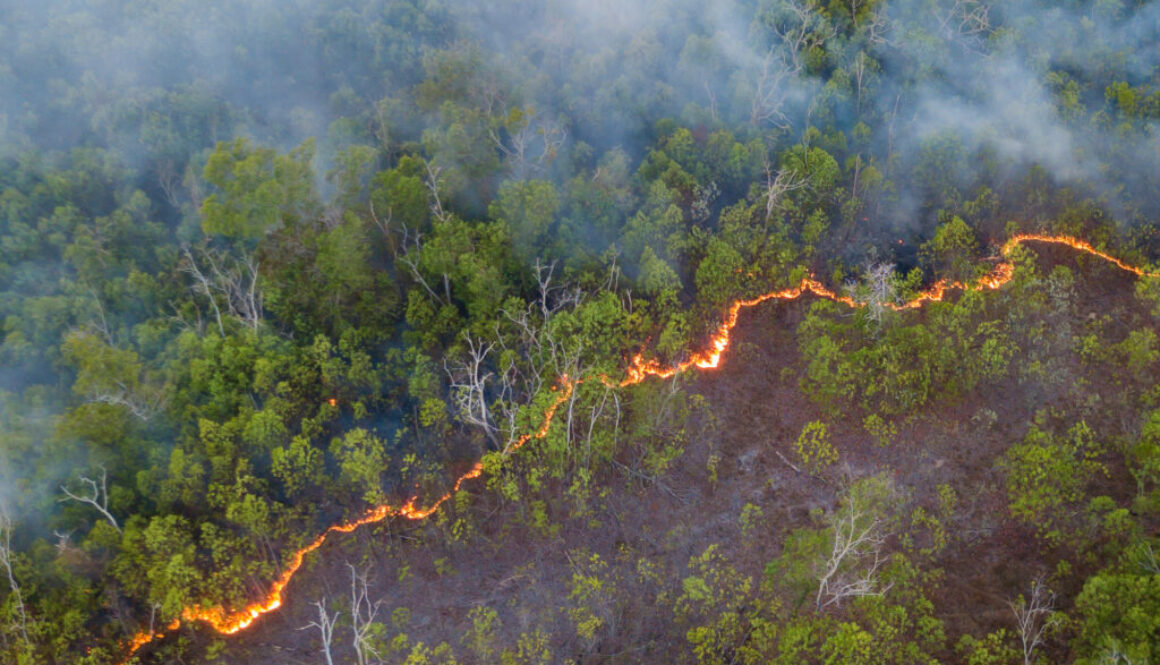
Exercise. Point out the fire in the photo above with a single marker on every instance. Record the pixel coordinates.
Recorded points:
(639, 369)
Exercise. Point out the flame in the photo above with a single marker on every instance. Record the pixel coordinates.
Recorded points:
(639, 369)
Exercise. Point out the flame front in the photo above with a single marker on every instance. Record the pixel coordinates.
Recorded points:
(639, 369)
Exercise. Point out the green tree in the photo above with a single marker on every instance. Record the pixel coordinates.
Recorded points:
(257, 190)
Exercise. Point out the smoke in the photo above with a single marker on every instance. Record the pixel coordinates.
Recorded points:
(1006, 86)
(607, 70)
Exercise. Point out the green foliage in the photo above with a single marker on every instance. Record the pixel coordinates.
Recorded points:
(253, 341)
(952, 251)
(363, 458)
(1046, 476)
(1119, 609)
(259, 191)
(814, 449)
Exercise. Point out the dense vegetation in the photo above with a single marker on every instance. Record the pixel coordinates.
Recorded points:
(264, 265)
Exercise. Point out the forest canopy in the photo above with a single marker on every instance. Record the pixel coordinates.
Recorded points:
(266, 266)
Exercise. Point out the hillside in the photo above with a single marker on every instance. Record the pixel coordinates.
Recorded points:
(742, 331)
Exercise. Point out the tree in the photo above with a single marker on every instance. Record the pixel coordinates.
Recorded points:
(857, 535)
(365, 633)
(363, 460)
(952, 251)
(16, 600)
(96, 496)
(814, 448)
(1046, 474)
(527, 209)
(876, 292)
(109, 375)
(257, 190)
(1034, 618)
(325, 626)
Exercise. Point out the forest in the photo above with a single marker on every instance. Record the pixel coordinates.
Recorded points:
(437, 332)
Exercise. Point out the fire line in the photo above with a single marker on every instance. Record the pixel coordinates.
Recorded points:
(231, 622)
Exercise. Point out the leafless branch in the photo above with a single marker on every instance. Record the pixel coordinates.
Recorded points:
(1034, 617)
(433, 182)
(362, 613)
(97, 496)
(233, 279)
(325, 626)
(777, 185)
(528, 143)
(877, 292)
(6, 562)
(469, 379)
(855, 557)
(770, 91)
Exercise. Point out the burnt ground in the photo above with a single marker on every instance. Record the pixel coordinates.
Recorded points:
(742, 454)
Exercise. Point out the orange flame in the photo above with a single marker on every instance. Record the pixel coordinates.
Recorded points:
(638, 370)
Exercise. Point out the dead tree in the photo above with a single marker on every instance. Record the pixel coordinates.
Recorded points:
(771, 90)
(528, 143)
(777, 185)
(325, 626)
(140, 411)
(362, 617)
(554, 298)
(6, 562)
(97, 496)
(857, 537)
(1034, 617)
(233, 279)
(469, 378)
(433, 182)
(968, 22)
(799, 26)
(877, 292)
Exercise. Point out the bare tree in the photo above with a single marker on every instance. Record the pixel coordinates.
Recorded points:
(529, 143)
(410, 249)
(469, 378)
(876, 26)
(433, 182)
(770, 90)
(557, 297)
(140, 410)
(6, 562)
(857, 536)
(1034, 617)
(967, 22)
(799, 26)
(1112, 654)
(233, 279)
(97, 496)
(877, 292)
(777, 185)
(325, 626)
(362, 616)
